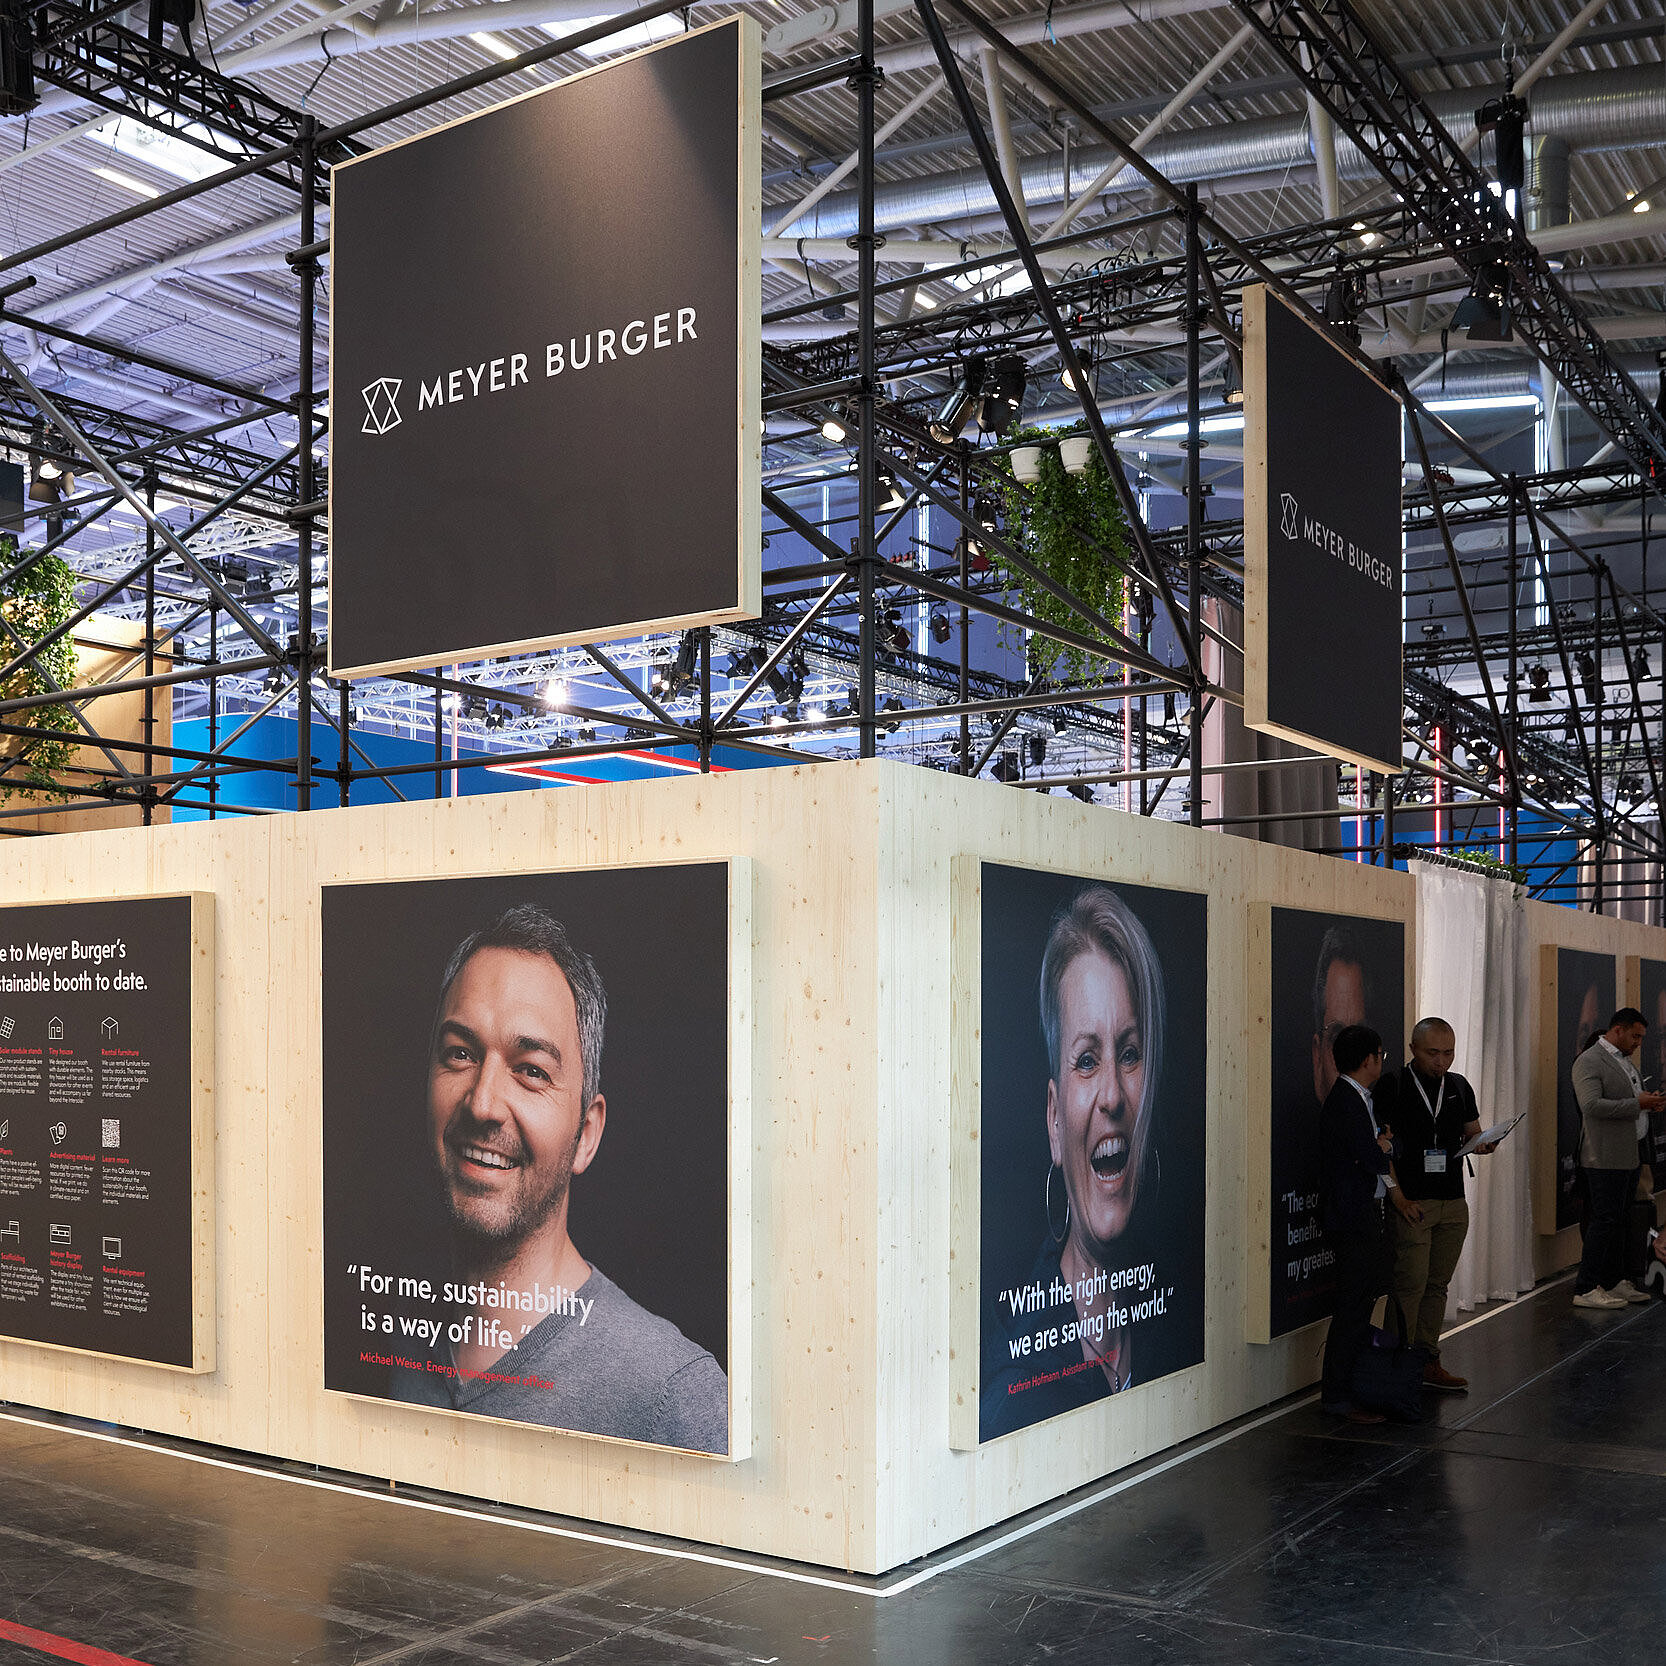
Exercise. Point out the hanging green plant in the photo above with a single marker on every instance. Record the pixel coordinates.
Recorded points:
(35, 602)
(1473, 856)
(1071, 526)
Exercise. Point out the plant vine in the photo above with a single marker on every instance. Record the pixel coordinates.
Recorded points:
(1071, 526)
(35, 602)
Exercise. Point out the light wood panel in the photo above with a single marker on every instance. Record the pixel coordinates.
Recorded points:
(863, 1026)
(1369, 893)
(805, 1277)
(935, 831)
(1548, 929)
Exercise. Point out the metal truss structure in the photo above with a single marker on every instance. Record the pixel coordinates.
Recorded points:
(1533, 719)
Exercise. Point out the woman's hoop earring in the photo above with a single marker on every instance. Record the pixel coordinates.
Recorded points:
(1057, 1234)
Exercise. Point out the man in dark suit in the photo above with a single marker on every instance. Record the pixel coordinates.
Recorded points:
(1355, 1174)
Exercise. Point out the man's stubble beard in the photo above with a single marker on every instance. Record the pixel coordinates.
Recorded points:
(474, 1228)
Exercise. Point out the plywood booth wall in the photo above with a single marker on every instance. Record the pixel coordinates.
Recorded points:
(1619, 945)
(859, 898)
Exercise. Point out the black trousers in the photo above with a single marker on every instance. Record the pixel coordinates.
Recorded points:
(1602, 1257)
(1364, 1268)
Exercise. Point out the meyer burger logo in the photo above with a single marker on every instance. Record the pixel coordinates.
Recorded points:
(1300, 528)
(381, 404)
(512, 370)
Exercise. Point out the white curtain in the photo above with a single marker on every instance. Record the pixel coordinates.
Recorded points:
(1472, 970)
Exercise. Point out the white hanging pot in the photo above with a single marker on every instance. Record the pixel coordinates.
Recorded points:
(1026, 464)
(1074, 451)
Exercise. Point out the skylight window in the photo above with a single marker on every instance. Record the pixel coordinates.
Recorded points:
(169, 152)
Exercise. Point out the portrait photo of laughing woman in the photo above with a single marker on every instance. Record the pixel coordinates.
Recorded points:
(1093, 1119)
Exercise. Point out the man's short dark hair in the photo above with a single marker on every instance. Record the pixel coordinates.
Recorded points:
(530, 929)
(1338, 944)
(1628, 1016)
(1354, 1044)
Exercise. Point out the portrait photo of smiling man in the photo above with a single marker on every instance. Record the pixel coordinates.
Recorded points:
(508, 1311)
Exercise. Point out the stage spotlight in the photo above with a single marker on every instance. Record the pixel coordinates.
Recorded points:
(1344, 301)
(1485, 312)
(496, 717)
(940, 624)
(670, 680)
(893, 633)
(1640, 666)
(1084, 357)
(1538, 676)
(1035, 749)
(1002, 398)
(958, 409)
(17, 69)
(474, 706)
(835, 431)
(1587, 667)
(1232, 383)
(178, 14)
(890, 493)
(891, 704)
(1005, 769)
(1081, 790)
(1060, 723)
(786, 681)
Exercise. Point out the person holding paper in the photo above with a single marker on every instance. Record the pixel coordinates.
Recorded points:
(1614, 1107)
(1434, 1114)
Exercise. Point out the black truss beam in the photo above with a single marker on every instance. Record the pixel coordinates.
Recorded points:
(1374, 102)
(84, 50)
(203, 456)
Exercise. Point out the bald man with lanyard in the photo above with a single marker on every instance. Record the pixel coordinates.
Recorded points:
(1434, 1113)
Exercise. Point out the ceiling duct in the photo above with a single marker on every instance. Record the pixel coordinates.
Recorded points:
(1614, 109)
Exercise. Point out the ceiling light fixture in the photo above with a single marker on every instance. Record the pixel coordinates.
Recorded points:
(957, 410)
(499, 49)
(127, 182)
(1486, 312)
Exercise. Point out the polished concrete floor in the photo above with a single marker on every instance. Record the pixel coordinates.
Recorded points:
(1525, 1523)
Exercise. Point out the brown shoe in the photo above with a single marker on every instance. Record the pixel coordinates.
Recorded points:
(1358, 1414)
(1435, 1375)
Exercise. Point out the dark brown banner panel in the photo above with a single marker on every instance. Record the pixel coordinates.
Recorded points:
(1585, 1001)
(106, 1131)
(545, 373)
(529, 1152)
(1092, 1139)
(1328, 971)
(1322, 542)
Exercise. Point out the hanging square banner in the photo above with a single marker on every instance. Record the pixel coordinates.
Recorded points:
(545, 366)
(1323, 627)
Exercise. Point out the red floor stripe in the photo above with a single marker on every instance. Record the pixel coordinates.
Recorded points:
(84, 1654)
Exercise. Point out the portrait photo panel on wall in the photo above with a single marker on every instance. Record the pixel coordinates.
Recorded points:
(1328, 971)
(527, 1149)
(1092, 1134)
